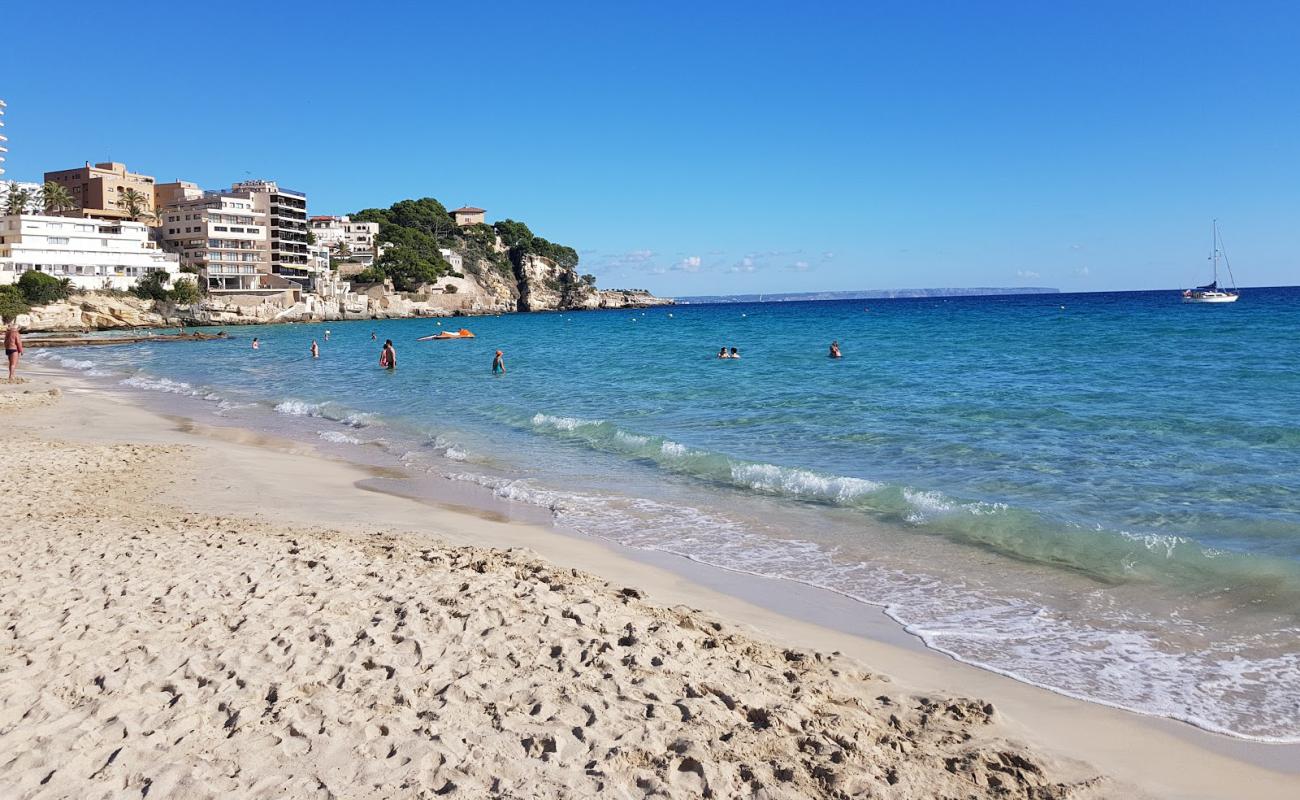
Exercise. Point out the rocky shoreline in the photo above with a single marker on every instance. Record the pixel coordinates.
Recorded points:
(94, 311)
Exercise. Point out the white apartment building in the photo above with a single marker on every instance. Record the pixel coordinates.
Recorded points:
(334, 231)
(93, 254)
(224, 235)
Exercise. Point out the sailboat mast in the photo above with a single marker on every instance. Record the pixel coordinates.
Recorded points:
(1215, 247)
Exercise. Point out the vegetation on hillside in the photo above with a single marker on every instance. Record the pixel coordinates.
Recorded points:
(153, 286)
(39, 289)
(416, 229)
(12, 303)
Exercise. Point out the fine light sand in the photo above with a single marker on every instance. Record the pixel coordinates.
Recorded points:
(199, 613)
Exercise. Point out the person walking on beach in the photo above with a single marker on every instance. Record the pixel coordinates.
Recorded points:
(498, 364)
(315, 349)
(388, 356)
(835, 350)
(256, 344)
(13, 348)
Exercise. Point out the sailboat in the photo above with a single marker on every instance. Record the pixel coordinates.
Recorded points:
(1212, 292)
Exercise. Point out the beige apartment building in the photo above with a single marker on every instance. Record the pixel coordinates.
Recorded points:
(221, 234)
(97, 191)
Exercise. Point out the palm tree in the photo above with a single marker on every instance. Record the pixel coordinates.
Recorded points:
(56, 198)
(18, 199)
(134, 203)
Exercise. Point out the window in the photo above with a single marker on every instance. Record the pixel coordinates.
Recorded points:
(57, 240)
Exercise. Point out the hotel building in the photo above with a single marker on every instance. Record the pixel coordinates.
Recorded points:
(92, 254)
(97, 191)
(286, 215)
(222, 234)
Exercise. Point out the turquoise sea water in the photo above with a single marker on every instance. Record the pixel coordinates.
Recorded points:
(1095, 493)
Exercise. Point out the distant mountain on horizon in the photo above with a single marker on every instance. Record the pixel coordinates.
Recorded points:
(864, 294)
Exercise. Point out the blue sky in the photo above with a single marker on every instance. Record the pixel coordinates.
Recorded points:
(718, 147)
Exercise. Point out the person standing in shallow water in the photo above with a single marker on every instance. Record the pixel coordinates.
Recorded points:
(256, 344)
(13, 348)
(735, 353)
(315, 349)
(498, 364)
(835, 350)
(723, 353)
(388, 356)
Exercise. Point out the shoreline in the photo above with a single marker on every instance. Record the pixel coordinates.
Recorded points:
(1164, 757)
(136, 314)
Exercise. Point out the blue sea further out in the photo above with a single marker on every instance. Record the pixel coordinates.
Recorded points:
(1099, 494)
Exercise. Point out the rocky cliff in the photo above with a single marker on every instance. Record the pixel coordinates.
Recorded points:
(540, 286)
(94, 311)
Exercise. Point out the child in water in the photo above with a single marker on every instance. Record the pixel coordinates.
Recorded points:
(388, 356)
(723, 353)
(498, 364)
(735, 353)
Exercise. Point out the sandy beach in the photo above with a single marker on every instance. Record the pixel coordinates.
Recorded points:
(201, 612)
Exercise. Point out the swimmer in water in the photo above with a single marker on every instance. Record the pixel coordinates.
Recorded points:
(835, 350)
(498, 364)
(735, 353)
(256, 344)
(723, 353)
(388, 356)
(327, 334)
(315, 349)
(373, 337)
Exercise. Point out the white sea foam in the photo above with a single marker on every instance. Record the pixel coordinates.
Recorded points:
(338, 437)
(297, 408)
(673, 449)
(802, 483)
(73, 363)
(161, 385)
(927, 505)
(562, 423)
(632, 439)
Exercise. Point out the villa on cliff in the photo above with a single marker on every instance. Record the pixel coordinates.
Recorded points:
(469, 215)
